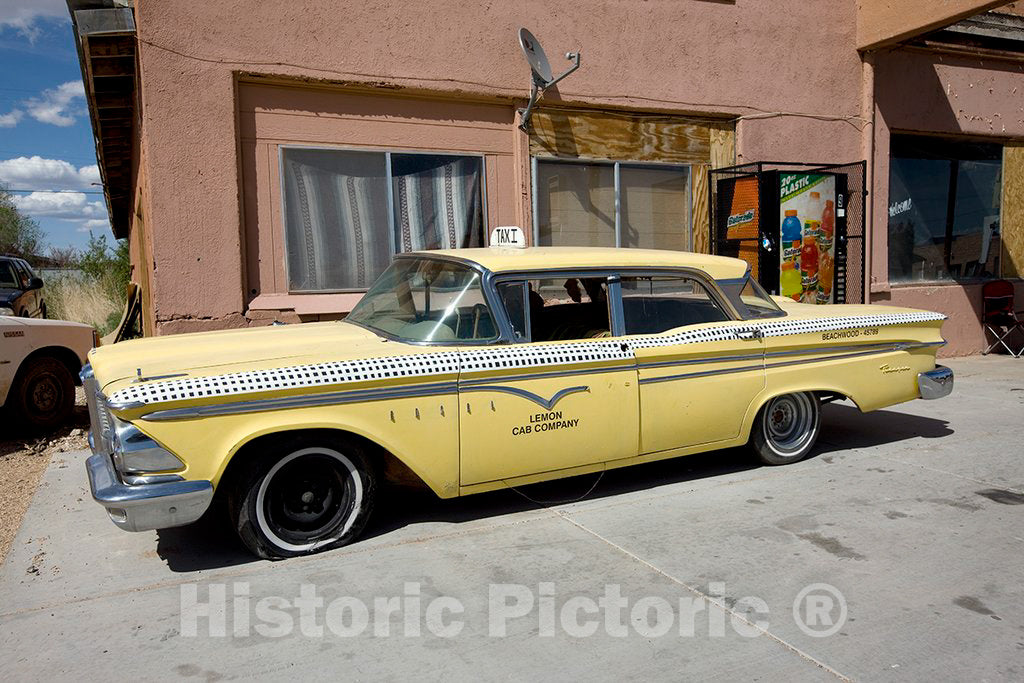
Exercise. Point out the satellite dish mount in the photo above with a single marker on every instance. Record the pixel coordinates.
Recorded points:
(541, 70)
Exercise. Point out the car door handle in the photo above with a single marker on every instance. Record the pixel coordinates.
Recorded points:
(749, 334)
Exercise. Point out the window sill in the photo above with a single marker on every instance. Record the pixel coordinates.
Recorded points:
(307, 304)
(964, 282)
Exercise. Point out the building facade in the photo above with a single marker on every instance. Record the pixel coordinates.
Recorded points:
(266, 160)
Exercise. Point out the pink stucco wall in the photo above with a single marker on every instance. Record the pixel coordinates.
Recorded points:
(777, 64)
(787, 74)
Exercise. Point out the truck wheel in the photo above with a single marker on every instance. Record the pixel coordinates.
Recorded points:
(302, 496)
(786, 428)
(43, 394)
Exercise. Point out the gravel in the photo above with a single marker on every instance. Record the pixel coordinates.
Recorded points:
(23, 459)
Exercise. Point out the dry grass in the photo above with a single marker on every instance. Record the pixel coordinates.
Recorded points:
(83, 299)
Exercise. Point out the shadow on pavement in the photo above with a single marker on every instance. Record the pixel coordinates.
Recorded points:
(844, 427)
(211, 543)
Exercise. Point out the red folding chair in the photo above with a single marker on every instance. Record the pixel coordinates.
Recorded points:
(998, 315)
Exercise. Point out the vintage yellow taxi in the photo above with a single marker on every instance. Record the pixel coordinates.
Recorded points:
(471, 370)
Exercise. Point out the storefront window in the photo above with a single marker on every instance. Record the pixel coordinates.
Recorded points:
(347, 212)
(943, 209)
(608, 204)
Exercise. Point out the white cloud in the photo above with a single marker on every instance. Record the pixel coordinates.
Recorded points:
(11, 119)
(99, 224)
(56, 105)
(24, 16)
(38, 173)
(69, 206)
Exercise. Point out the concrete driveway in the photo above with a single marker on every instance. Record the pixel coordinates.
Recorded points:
(912, 516)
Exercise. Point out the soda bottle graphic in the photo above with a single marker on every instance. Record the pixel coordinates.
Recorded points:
(790, 282)
(791, 227)
(826, 269)
(809, 259)
(828, 222)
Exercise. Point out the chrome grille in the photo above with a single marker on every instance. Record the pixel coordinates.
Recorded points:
(100, 420)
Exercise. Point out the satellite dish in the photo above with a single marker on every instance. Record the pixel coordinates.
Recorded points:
(540, 69)
(535, 56)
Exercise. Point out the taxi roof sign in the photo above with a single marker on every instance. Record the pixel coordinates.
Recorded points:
(508, 236)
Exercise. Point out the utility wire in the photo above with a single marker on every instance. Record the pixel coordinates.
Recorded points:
(57, 191)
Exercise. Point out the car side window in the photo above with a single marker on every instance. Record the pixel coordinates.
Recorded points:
(8, 276)
(22, 272)
(658, 303)
(558, 309)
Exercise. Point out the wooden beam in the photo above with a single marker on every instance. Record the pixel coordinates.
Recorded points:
(887, 22)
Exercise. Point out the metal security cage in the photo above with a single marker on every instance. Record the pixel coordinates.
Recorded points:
(746, 203)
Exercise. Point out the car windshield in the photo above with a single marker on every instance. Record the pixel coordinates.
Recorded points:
(8, 278)
(749, 299)
(427, 300)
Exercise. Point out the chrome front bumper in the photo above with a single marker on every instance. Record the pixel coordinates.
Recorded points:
(141, 507)
(935, 383)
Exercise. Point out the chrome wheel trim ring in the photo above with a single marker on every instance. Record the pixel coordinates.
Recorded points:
(789, 423)
(357, 499)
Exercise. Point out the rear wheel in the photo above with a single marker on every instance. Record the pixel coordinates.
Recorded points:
(302, 496)
(43, 394)
(786, 428)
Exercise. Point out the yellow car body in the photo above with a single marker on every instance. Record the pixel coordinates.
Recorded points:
(468, 418)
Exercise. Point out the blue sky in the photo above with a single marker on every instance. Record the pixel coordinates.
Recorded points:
(46, 140)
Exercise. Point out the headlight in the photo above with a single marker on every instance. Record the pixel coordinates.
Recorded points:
(136, 453)
(4, 310)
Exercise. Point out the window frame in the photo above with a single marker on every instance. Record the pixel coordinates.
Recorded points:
(951, 140)
(614, 275)
(392, 234)
(616, 164)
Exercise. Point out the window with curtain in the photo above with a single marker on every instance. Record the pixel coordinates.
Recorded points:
(944, 202)
(607, 204)
(347, 212)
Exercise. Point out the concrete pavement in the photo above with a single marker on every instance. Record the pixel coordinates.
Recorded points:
(911, 514)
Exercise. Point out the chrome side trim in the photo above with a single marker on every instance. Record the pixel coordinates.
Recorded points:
(529, 395)
(881, 346)
(767, 366)
(937, 383)
(326, 399)
(546, 375)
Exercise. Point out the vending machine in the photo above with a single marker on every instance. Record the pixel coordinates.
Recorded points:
(792, 225)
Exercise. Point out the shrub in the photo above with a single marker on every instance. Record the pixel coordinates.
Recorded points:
(96, 301)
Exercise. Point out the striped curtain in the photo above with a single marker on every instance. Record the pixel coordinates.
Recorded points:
(437, 202)
(337, 228)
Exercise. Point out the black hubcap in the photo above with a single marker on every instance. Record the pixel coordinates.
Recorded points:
(308, 498)
(45, 395)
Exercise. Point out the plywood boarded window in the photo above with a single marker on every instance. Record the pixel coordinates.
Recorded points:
(611, 204)
(652, 210)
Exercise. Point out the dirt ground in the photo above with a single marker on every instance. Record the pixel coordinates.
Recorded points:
(23, 459)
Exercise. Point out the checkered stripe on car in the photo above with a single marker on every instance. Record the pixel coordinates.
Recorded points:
(479, 359)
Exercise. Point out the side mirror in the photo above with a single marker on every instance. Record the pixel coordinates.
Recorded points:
(35, 283)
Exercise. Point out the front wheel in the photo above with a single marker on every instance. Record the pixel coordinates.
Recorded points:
(43, 394)
(303, 496)
(786, 428)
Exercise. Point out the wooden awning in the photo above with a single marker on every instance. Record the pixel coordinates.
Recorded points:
(105, 37)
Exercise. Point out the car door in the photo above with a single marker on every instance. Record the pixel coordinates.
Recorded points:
(564, 395)
(37, 293)
(27, 301)
(698, 369)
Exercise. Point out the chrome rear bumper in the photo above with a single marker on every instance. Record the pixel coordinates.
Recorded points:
(936, 383)
(141, 507)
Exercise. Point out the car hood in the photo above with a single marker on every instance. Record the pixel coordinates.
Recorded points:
(44, 322)
(214, 353)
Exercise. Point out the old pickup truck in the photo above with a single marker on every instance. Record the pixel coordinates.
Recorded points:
(471, 370)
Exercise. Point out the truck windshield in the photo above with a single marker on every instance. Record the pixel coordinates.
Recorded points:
(427, 300)
(749, 300)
